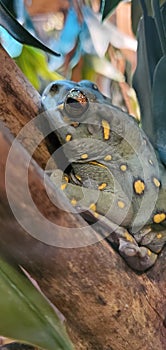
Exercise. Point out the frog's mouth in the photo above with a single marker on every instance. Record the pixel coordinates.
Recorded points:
(76, 103)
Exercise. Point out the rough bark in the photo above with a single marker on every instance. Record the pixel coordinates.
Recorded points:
(106, 304)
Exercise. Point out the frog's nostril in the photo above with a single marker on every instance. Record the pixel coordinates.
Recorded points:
(54, 88)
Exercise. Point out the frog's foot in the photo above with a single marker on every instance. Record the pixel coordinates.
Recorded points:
(152, 238)
(139, 258)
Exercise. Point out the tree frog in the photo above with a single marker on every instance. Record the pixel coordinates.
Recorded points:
(115, 175)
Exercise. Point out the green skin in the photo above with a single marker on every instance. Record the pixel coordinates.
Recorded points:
(116, 175)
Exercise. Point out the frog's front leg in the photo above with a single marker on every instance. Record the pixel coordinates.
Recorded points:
(84, 199)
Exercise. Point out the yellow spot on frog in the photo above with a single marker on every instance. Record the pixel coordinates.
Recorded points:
(92, 206)
(128, 237)
(78, 177)
(159, 235)
(121, 204)
(156, 182)
(106, 129)
(66, 178)
(63, 186)
(98, 164)
(61, 106)
(139, 186)
(123, 167)
(157, 218)
(68, 137)
(73, 202)
(84, 156)
(149, 252)
(108, 157)
(102, 186)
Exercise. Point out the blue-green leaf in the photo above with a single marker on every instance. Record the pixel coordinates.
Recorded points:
(163, 14)
(148, 54)
(26, 315)
(18, 32)
(12, 46)
(159, 25)
(159, 107)
(136, 12)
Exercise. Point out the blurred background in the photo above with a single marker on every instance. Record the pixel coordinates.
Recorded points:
(101, 51)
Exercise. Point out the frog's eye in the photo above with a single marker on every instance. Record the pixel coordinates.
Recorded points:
(76, 103)
(88, 84)
(95, 87)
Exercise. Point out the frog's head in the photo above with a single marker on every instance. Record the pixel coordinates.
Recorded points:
(80, 113)
(72, 94)
(72, 110)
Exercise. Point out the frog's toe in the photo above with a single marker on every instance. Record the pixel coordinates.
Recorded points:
(152, 239)
(139, 258)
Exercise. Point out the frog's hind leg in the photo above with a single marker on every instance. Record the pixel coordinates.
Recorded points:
(138, 257)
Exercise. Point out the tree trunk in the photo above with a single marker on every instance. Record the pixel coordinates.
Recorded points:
(106, 304)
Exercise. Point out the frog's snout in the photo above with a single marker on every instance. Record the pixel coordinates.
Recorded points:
(76, 103)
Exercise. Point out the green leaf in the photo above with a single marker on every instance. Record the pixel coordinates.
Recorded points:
(107, 6)
(159, 107)
(10, 5)
(148, 54)
(34, 65)
(163, 14)
(136, 12)
(26, 315)
(159, 24)
(18, 32)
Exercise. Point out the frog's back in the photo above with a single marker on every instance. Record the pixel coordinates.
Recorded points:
(109, 154)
